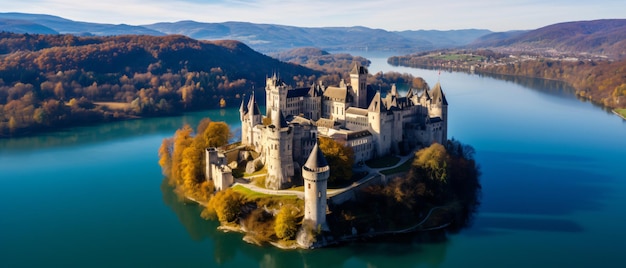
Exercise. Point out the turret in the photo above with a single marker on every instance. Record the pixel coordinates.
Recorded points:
(439, 108)
(358, 81)
(315, 173)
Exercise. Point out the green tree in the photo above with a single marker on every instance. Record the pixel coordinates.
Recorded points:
(340, 159)
(285, 225)
(433, 162)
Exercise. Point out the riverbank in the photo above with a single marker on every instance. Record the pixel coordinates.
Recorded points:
(620, 112)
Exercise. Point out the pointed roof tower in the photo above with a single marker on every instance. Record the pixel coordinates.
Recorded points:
(376, 104)
(243, 109)
(316, 160)
(437, 95)
(253, 106)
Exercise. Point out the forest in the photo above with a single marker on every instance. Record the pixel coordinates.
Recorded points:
(52, 81)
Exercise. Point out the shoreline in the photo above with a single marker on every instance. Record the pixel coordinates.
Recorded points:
(618, 114)
(294, 245)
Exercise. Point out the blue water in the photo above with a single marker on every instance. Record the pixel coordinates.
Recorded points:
(554, 192)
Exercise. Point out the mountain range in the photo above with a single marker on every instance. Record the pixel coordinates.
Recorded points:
(261, 37)
(605, 38)
(598, 37)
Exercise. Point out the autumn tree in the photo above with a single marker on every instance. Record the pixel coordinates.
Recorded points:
(340, 159)
(226, 205)
(165, 156)
(216, 134)
(286, 225)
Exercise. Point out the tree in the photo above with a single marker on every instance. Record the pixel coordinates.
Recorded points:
(432, 162)
(340, 159)
(182, 140)
(216, 134)
(165, 156)
(285, 225)
(226, 204)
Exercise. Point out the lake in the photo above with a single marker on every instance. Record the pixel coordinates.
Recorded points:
(553, 191)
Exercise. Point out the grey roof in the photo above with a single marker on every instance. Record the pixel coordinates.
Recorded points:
(357, 111)
(358, 69)
(376, 105)
(298, 92)
(316, 159)
(253, 106)
(336, 93)
(243, 108)
(324, 122)
(438, 95)
(358, 134)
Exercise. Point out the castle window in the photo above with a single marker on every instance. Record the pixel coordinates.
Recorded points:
(319, 194)
(309, 185)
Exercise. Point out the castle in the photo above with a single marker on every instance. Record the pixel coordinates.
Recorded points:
(372, 125)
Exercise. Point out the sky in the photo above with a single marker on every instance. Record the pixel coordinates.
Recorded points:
(393, 15)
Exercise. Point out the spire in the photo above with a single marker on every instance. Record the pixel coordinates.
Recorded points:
(253, 106)
(437, 95)
(394, 90)
(243, 109)
(355, 68)
(316, 160)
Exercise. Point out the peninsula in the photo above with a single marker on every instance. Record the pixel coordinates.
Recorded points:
(309, 172)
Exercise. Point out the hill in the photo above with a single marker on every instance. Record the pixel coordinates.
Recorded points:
(64, 26)
(261, 37)
(605, 38)
(49, 81)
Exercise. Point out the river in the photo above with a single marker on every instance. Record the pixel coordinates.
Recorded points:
(554, 191)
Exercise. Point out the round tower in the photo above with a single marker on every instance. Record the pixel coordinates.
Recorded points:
(315, 173)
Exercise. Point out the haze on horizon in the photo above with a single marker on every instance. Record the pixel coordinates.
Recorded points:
(395, 15)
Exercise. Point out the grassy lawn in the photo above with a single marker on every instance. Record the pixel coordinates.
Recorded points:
(401, 168)
(382, 162)
(269, 200)
(621, 111)
(259, 172)
(249, 194)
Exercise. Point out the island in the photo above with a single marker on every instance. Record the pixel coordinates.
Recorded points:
(329, 164)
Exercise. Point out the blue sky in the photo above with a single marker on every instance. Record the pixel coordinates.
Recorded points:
(384, 14)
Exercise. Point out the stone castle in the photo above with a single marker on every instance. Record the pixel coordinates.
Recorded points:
(373, 126)
(354, 114)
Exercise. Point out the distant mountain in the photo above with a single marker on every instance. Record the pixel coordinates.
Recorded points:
(23, 26)
(597, 37)
(261, 37)
(272, 38)
(446, 39)
(65, 26)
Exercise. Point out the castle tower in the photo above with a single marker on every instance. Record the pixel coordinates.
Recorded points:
(250, 116)
(358, 81)
(243, 113)
(439, 108)
(377, 115)
(315, 173)
(276, 94)
(278, 145)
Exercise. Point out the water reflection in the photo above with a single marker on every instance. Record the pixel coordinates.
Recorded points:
(101, 133)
